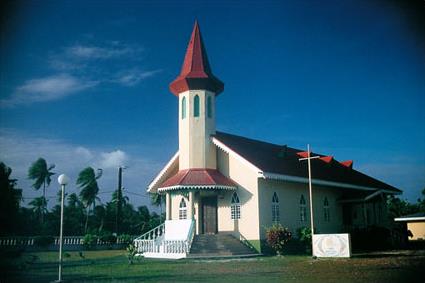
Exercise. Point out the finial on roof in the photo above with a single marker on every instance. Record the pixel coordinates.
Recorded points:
(196, 71)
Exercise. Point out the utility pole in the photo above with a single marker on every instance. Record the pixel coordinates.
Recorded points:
(119, 203)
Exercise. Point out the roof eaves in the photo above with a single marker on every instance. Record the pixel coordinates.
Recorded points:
(228, 150)
(275, 176)
(163, 171)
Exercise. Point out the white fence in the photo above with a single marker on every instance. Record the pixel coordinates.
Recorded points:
(25, 242)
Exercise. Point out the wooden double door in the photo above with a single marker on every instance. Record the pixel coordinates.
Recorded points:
(209, 215)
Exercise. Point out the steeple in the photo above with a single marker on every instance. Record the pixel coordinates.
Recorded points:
(196, 71)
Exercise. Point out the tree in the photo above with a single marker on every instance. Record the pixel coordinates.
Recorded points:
(87, 182)
(41, 174)
(10, 198)
(157, 200)
(39, 207)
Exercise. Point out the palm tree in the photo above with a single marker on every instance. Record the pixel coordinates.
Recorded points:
(10, 198)
(87, 182)
(39, 207)
(41, 174)
(157, 200)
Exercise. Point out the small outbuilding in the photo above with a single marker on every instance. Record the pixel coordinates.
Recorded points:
(415, 224)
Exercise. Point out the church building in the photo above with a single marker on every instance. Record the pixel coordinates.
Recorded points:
(220, 183)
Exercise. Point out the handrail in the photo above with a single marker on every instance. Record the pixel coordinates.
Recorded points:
(153, 233)
(158, 245)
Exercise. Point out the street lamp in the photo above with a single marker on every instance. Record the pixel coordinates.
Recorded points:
(63, 181)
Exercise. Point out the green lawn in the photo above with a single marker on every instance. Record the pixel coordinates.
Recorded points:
(112, 266)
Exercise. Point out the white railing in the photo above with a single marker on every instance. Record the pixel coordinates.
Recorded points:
(67, 240)
(154, 244)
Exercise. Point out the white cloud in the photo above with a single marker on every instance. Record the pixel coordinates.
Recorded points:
(46, 89)
(113, 159)
(134, 77)
(19, 151)
(115, 50)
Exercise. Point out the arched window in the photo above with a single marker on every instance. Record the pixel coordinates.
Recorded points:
(209, 107)
(196, 106)
(275, 208)
(182, 209)
(235, 207)
(303, 209)
(184, 107)
(326, 210)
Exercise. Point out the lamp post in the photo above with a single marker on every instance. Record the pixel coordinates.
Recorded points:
(63, 181)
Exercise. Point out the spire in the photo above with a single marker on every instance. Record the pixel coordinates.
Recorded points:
(196, 71)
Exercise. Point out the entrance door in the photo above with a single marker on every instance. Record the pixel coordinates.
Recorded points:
(209, 215)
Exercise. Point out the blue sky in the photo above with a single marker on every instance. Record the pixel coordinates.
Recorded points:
(85, 83)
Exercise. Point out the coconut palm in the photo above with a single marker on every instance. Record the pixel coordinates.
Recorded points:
(41, 174)
(39, 207)
(87, 182)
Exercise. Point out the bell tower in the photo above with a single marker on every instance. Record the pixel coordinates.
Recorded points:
(197, 88)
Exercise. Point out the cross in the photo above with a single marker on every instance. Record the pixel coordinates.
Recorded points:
(308, 158)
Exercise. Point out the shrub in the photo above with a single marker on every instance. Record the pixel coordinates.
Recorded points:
(277, 236)
(89, 240)
(131, 253)
(43, 241)
(107, 237)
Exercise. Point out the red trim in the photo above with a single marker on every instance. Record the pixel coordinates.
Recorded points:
(348, 163)
(327, 159)
(303, 154)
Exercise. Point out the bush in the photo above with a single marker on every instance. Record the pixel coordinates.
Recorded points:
(277, 236)
(89, 240)
(43, 241)
(107, 237)
(131, 253)
(305, 238)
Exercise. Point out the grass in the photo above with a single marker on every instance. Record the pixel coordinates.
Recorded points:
(112, 266)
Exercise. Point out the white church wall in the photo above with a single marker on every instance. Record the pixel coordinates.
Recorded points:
(248, 224)
(289, 206)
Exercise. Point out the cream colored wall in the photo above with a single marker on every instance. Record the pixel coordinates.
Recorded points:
(417, 229)
(195, 147)
(289, 195)
(241, 173)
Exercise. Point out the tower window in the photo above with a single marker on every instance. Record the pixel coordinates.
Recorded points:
(303, 209)
(209, 107)
(182, 210)
(326, 210)
(235, 207)
(275, 208)
(184, 107)
(196, 106)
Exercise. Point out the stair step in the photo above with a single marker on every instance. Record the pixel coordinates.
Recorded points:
(218, 245)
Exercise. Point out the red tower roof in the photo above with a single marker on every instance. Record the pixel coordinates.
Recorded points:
(196, 71)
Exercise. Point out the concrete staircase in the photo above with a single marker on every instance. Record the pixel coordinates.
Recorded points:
(218, 245)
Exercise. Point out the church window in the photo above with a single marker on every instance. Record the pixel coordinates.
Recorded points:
(182, 210)
(275, 208)
(303, 209)
(326, 210)
(235, 207)
(184, 107)
(209, 107)
(196, 106)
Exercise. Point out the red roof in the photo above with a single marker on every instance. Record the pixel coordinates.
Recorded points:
(198, 177)
(196, 71)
